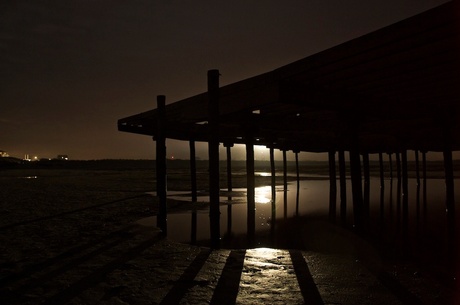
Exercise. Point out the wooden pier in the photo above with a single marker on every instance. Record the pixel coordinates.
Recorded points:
(394, 91)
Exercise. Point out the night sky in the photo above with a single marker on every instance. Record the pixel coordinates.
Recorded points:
(70, 69)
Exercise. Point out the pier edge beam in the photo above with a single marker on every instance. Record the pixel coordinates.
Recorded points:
(213, 151)
(160, 160)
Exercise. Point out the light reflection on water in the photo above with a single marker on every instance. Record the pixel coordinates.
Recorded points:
(313, 201)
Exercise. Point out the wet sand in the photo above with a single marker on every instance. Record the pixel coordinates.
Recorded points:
(71, 236)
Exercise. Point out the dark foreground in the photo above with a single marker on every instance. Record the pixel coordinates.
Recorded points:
(72, 237)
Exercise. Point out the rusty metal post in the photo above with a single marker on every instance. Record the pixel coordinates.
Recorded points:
(213, 150)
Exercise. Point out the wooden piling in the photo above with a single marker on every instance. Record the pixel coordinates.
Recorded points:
(343, 188)
(213, 150)
(424, 193)
(332, 187)
(450, 193)
(193, 170)
(417, 167)
(382, 188)
(390, 162)
(366, 195)
(405, 192)
(250, 185)
(398, 187)
(273, 184)
(298, 183)
(356, 189)
(398, 191)
(417, 194)
(285, 183)
(194, 190)
(228, 147)
(161, 163)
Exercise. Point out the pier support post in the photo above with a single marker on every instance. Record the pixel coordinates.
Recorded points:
(366, 195)
(450, 194)
(213, 150)
(398, 187)
(251, 205)
(356, 187)
(161, 164)
(193, 170)
(228, 147)
(273, 180)
(285, 183)
(382, 188)
(194, 189)
(343, 188)
(332, 187)
(405, 191)
(298, 183)
(424, 194)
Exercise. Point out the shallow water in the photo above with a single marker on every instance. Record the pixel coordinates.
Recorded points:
(429, 215)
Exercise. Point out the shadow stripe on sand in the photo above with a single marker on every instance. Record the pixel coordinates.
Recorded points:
(228, 285)
(185, 282)
(307, 286)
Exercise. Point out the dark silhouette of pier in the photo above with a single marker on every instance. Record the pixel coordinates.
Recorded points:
(392, 92)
